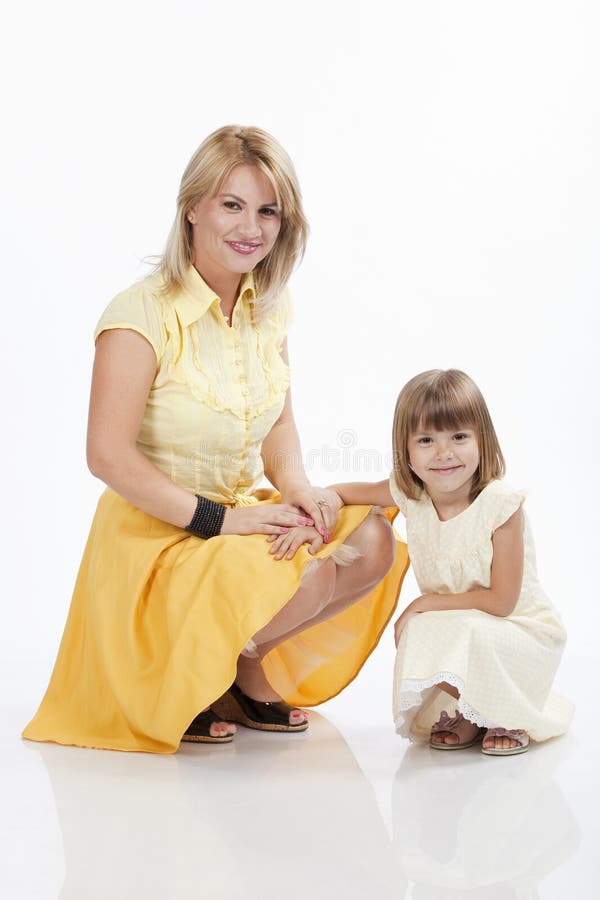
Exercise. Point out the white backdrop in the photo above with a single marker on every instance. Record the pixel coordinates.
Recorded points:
(448, 154)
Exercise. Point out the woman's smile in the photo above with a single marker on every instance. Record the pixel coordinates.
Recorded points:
(243, 247)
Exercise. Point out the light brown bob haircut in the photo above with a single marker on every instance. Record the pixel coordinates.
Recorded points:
(444, 400)
(205, 173)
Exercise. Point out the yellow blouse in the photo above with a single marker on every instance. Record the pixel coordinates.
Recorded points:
(218, 389)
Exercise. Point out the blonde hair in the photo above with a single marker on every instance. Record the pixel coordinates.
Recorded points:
(207, 169)
(444, 400)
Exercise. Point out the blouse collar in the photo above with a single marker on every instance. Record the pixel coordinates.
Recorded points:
(196, 297)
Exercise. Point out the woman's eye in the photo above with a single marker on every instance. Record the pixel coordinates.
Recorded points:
(268, 211)
(231, 204)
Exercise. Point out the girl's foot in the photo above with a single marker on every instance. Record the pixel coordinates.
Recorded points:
(500, 742)
(454, 733)
(252, 681)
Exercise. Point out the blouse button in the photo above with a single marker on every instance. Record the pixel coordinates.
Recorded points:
(245, 392)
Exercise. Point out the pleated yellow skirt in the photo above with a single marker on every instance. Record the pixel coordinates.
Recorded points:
(158, 619)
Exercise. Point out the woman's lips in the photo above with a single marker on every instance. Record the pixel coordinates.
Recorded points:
(446, 470)
(243, 247)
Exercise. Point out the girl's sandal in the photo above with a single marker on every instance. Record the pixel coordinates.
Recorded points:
(516, 734)
(454, 725)
(235, 706)
(198, 731)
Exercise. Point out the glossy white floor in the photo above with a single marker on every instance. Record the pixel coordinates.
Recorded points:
(346, 808)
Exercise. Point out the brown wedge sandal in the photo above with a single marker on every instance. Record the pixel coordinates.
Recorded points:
(235, 706)
(198, 731)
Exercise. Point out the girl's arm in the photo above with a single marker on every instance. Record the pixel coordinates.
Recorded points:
(364, 493)
(124, 369)
(501, 597)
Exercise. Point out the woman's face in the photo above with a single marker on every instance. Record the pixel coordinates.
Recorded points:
(236, 228)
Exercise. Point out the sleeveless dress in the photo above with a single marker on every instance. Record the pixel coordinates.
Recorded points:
(503, 667)
(158, 616)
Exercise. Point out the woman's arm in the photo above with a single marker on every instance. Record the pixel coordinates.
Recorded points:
(284, 467)
(124, 369)
(281, 451)
(506, 579)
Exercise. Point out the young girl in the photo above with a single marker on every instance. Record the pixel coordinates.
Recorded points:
(482, 630)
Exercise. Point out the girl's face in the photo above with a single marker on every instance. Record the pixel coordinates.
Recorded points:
(235, 229)
(445, 461)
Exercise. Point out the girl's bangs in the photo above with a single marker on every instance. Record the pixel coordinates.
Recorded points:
(442, 409)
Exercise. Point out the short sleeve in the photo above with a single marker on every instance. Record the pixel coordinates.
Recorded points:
(400, 498)
(502, 501)
(140, 310)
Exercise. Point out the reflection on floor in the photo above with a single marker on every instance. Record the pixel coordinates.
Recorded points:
(292, 816)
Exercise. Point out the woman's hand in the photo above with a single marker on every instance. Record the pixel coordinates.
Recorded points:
(320, 504)
(268, 518)
(287, 544)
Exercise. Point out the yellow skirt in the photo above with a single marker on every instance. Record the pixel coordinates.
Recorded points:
(158, 619)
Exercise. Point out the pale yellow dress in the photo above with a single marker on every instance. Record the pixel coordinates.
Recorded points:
(503, 667)
(159, 616)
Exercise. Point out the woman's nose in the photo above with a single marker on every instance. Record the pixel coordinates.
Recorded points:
(249, 226)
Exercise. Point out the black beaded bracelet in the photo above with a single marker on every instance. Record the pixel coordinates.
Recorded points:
(207, 521)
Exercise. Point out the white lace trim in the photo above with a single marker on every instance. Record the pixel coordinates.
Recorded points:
(410, 696)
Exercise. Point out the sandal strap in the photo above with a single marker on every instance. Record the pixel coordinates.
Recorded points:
(447, 723)
(200, 726)
(274, 712)
(515, 734)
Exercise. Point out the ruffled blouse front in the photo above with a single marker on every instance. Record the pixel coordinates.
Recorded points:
(218, 389)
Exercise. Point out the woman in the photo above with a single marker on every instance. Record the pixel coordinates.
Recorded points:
(179, 606)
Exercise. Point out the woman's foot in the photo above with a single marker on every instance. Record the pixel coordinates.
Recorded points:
(454, 733)
(501, 742)
(207, 728)
(222, 729)
(252, 681)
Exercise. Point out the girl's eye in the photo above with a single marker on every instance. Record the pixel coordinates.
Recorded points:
(424, 441)
(461, 436)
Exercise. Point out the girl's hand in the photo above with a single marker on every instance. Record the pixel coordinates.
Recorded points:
(270, 518)
(287, 544)
(400, 624)
(320, 504)
(419, 605)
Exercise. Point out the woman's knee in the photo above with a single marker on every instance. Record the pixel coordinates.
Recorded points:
(374, 539)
